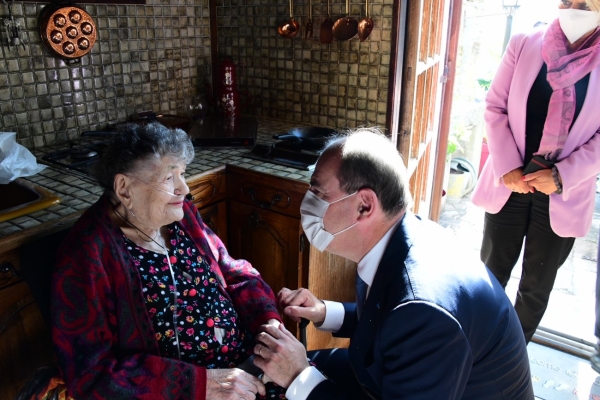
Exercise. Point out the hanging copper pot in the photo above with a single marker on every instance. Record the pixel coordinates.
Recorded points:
(67, 31)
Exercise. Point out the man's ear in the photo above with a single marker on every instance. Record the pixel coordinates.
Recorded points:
(121, 187)
(368, 203)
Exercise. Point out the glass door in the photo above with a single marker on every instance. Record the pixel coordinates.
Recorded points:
(485, 29)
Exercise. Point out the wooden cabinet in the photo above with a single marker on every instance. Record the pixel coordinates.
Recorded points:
(270, 241)
(264, 228)
(215, 217)
(209, 191)
(25, 341)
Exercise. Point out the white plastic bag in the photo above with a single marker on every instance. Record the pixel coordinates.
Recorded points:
(15, 160)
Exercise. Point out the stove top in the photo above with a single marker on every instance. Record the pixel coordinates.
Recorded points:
(285, 153)
(211, 131)
(80, 157)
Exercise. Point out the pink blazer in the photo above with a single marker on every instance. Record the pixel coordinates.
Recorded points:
(579, 163)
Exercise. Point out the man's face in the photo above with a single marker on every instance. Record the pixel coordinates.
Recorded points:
(339, 215)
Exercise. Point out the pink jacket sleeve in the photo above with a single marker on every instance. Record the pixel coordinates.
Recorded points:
(505, 155)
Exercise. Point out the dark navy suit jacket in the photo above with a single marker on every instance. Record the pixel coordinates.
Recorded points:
(435, 326)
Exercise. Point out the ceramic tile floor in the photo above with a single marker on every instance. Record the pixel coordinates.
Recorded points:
(570, 310)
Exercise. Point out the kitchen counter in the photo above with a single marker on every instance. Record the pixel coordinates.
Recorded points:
(77, 193)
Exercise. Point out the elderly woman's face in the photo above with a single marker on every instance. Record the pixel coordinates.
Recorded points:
(158, 191)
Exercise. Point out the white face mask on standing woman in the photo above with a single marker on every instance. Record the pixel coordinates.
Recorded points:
(576, 23)
(312, 212)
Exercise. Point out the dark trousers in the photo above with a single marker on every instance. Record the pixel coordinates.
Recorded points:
(525, 216)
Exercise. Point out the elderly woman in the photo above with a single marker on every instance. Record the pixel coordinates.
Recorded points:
(147, 303)
(538, 186)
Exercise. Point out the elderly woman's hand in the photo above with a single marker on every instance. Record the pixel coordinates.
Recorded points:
(232, 384)
(513, 180)
(541, 180)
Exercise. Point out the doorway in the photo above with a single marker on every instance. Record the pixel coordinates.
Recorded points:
(569, 320)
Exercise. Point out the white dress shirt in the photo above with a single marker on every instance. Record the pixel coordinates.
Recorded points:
(334, 317)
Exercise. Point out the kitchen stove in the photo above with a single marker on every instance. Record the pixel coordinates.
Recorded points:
(298, 148)
(80, 157)
(286, 153)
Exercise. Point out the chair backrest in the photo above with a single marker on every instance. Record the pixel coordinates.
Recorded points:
(37, 260)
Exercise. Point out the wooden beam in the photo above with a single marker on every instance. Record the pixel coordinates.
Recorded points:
(444, 127)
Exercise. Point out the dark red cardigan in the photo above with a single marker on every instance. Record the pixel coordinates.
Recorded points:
(104, 339)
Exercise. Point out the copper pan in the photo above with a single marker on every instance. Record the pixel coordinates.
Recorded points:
(67, 31)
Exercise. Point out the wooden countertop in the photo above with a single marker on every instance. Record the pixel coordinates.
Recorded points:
(78, 193)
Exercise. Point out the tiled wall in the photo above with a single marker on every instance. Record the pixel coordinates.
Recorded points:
(343, 84)
(147, 57)
(153, 56)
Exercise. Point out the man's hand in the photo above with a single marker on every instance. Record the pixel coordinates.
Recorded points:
(541, 180)
(232, 384)
(513, 180)
(301, 303)
(280, 355)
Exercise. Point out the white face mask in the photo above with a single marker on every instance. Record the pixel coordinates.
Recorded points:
(312, 212)
(576, 23)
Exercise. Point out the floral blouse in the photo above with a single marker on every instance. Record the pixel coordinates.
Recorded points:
(206, 320)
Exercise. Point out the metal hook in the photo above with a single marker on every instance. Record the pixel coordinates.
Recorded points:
(9, 6)
(14, 32)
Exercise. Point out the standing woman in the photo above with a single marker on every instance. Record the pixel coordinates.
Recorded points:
(542, 105)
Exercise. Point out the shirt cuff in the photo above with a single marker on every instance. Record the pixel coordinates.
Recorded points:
(334, 316)
(304, 384)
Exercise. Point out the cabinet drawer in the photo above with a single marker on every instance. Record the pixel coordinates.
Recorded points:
(208, 187)
(9, 268)
(265, 191)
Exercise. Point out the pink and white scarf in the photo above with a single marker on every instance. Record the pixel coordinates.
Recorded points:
(564, 70)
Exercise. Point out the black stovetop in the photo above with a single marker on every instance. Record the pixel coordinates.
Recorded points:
(80, 157)
(285, 153)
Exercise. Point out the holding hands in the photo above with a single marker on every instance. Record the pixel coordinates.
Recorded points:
(513, 180)
(232, 384)
(279, 354)
(541, 180)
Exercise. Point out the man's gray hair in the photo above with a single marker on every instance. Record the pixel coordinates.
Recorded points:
(368, 159)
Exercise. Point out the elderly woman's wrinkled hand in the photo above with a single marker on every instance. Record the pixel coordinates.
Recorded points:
(541, 180)
(232, 384)
(280, 355)
(513, 180)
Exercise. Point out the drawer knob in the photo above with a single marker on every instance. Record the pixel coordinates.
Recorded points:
(264, 204)
(8, 267)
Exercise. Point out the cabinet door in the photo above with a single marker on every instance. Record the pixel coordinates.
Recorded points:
(25, 340)
(270, 241)
(208, 187)
(215, 216)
